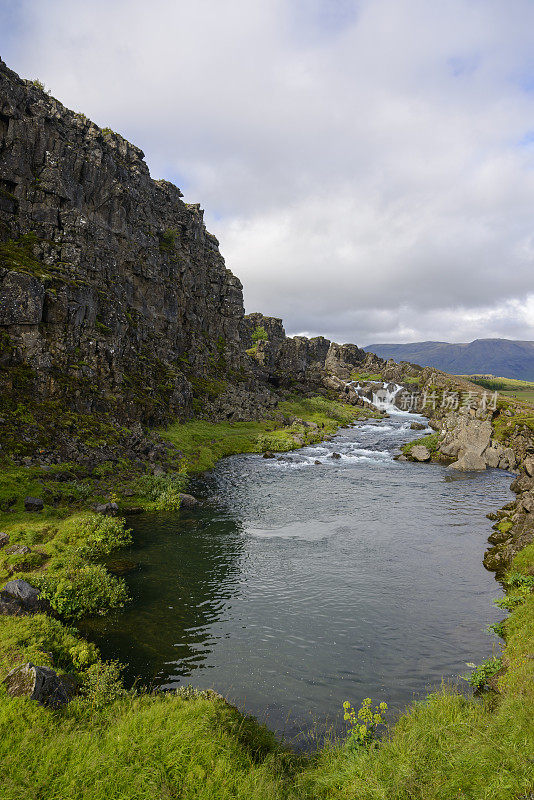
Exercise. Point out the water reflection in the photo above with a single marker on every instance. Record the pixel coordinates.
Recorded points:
(188, 572)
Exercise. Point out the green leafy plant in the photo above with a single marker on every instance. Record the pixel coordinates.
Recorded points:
(517, 579)
(497, 629)
(260, 335)
(164, 490)
(102, 683)
(101, 535)
(481, 674)
(167, 240)
(77, 591)
(363, 723)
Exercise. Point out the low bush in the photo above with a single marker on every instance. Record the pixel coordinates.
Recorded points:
(101, 534)
(77, 591)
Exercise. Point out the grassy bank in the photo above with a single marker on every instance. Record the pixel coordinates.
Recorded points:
(111, 744)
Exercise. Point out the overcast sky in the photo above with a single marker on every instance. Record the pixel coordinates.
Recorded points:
(367, 165)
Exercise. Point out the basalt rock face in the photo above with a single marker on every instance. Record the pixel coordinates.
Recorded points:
(112, 292)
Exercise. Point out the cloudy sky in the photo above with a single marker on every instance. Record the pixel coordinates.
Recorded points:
(367, 165)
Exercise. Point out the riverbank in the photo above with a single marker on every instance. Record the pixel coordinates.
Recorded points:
(173, 745)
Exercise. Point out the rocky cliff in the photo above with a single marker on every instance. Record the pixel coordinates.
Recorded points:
(113, 295)
(114, 298)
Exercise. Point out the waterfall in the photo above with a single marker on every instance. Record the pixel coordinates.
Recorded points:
(383, 397)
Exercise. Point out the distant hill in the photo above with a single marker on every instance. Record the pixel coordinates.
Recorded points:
(503, 357)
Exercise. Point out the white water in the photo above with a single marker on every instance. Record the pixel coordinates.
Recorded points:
(383, 399)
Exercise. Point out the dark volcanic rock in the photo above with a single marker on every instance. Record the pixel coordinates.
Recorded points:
(108, 509)
(21, 598)
(112, 292)
(188, 501)
(33, 504)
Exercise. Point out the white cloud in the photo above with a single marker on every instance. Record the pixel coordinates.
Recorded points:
(366, 165)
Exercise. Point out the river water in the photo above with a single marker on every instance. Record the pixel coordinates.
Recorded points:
(299, 585)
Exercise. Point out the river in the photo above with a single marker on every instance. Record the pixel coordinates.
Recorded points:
(297, 585)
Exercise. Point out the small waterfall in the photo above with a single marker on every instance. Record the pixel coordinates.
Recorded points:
(383, 397)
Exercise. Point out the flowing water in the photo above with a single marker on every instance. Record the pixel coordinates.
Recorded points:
(297, 585)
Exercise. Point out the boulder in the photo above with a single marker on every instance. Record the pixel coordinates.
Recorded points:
(18, 550)
(268, 454)
(507, 459)
(528, 465)
(33, 504)
(496, 559)
(4, 539)
(470, 461)
(188, 501)
(19, 593)
(417, 426)
(39, 683)
(499, 537)
(317, 462)
(420, 453)
(335, 455)
(108, 509)
(526, 503)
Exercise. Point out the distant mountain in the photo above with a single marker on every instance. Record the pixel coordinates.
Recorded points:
(502, 357)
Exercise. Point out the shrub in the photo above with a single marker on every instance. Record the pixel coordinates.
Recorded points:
(102, 683)
(163, 490)
(101, 535)
(168, 500)
(88, 589)
(259, 335)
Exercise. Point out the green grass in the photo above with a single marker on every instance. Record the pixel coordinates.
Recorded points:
(143, 748)
(431, 442)
(509, 387)
(525, 395)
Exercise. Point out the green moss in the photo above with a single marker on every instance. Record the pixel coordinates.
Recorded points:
(259, 334)
(168, 239)
(102, 328)
(504, 526)
(431, 442)
(207, 388)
